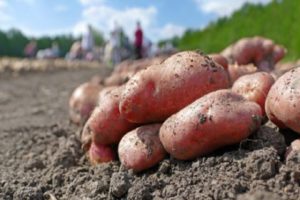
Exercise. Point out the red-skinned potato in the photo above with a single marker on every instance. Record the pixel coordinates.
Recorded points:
(260, 51)
(215, 120)
(106, 125)
(235, 71)
(98, 153)
(118, 78)
(86, 134)
(126, 69)
(254, 87)
(105, 91)
(154, 94)
(83, 100)
(282, 103)
(141, 148)
(218, 58)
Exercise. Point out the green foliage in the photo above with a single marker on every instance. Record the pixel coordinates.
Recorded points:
(98, 37)
(13, 42)
(277, 20)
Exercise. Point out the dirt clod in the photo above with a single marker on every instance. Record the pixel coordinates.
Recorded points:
(119, 184)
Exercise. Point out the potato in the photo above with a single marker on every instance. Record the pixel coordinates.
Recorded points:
(86, 134)
(100, 154)
(254, 87)
(236, 71)
(218, 58)
(282, 68)
(125, 70)
(261, 52)
(282, 103)
(83, 100)
(106, 125)
(154, 94)
(105, 91)
(141, 148)
(215, 120)
(118, 79)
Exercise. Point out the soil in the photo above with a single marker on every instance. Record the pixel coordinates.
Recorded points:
(41, 158)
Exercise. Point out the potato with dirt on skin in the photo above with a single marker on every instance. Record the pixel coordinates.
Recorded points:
(141, 148)
(236, 71)
(125, 70)
(98, 153)
(282, 103)
(118, 79)
(254, 87)
(154, 94)
(83, 100)
(86, 137)
(218, 58)
(105, 91)
(106, 125)
(215, 120)
(260, 51)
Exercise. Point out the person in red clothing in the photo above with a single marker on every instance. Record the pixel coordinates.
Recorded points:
(138, 42)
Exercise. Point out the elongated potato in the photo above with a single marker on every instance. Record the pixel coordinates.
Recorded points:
(141, 148)
(217, 119)
(100, 154)
(254, 87)
(106, 125)
(282, 103)
(154, 94)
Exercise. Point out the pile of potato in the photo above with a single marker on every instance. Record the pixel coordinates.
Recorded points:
(184, 105)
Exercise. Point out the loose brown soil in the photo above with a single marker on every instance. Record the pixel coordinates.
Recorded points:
(40, 155)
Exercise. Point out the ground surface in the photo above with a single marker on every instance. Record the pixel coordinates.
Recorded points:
(40, 155)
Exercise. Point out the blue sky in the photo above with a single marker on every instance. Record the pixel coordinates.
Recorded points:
(160, 18)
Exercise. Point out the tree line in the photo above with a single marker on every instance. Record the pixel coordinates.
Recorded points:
(13, 42)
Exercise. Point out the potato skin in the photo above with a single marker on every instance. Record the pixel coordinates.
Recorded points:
(254, 87)
(211, 122)
(126, 69)
(154, 94)
(106, 125)
(282, 103)
(260, 51)
(218, 58)
(141, 148)
(236, 71)
(83, 100)
(100, 154)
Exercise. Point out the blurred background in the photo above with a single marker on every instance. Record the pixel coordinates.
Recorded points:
(62, 28)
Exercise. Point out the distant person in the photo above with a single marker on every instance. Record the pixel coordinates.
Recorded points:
(30, 49)
(138, 41)
(49, 53)
(87, 42)
(75, 51)
(55, 50)
(115, 41)
(147, 48)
